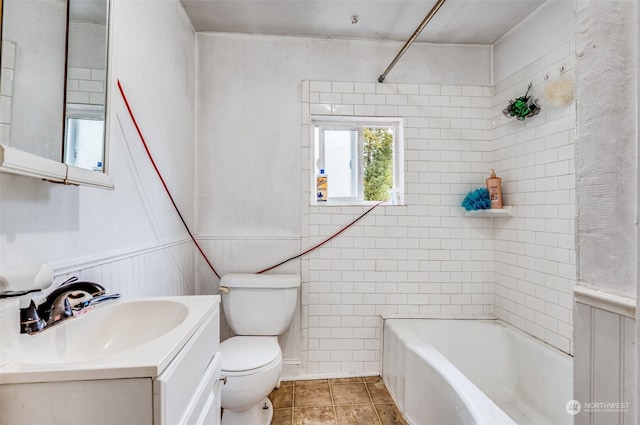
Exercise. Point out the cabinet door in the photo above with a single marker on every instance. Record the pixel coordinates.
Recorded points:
(174, 389)
(205, 407)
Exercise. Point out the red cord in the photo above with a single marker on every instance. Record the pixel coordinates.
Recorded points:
(166, 188)
(313, 248)
(155, 167)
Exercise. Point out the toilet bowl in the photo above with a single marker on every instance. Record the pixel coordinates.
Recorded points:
(258, 308)
(252, 366)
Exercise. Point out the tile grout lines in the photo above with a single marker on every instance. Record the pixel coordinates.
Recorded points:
(336, 405)
(372, 402)
(333, 402)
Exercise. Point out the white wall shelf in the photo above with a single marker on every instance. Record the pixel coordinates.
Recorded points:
(506, 211)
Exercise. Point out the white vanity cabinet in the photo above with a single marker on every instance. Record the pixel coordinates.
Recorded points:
(188, 390)
(182, 388)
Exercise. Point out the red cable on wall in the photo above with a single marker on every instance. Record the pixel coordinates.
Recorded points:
(175, 206)
(313, 248)
(166, 189)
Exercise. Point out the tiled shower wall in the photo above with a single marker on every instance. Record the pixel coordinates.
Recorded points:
(534, 251)
(425, 257)
(420, 258)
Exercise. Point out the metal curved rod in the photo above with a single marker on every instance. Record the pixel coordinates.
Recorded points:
(416, 33)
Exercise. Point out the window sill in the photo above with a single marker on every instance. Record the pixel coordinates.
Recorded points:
(353, 204)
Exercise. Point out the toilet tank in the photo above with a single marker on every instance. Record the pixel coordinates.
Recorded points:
(260, 304)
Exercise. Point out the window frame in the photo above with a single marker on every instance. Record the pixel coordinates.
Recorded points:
(358, 123)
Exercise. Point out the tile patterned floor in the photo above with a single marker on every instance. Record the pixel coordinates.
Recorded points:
(343, 401)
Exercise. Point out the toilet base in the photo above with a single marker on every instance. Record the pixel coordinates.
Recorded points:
(260, 414)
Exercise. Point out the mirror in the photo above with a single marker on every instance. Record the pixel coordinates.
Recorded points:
(33, 69)
(53, 87)
(86, 83)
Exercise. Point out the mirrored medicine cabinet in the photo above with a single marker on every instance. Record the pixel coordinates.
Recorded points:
(53, 87)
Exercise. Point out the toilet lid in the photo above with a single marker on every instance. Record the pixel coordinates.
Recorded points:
(241, 353)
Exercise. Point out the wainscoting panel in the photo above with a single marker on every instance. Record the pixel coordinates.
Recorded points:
(161, 269)
(605, 363)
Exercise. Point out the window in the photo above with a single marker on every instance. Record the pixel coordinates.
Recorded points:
(84, 136)
(362, 158)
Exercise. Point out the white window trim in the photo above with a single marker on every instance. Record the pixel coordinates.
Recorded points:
(360, 121)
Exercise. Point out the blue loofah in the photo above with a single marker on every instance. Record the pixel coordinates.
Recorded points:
(477, 200)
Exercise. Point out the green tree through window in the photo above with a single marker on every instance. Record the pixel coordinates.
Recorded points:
(378, 163)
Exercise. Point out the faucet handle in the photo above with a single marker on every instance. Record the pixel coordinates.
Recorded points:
(68, 281)
(95, 300)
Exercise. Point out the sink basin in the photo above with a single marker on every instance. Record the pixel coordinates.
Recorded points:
(104, 331)
(125, 338)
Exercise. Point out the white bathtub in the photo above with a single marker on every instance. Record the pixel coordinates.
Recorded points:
(474, 372)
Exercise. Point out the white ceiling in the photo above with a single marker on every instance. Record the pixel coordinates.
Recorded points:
(457, 21)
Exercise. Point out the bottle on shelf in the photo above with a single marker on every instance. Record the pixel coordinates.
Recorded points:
(494, 186)
(321, 186)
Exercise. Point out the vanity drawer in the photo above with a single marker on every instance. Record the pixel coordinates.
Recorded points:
(174, 388)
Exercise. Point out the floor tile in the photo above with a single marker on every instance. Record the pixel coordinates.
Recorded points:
(355, 393)
(310, 382)
(389, 414)
(282, 397)
(336, 401)
(363, 414)
(312, 395)
(282, 417)
(345, 380)
(314, 416)
(379, 392)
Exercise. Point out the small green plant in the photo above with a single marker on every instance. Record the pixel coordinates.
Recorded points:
(378, 163)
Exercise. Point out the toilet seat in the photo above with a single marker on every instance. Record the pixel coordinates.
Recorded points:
(245, 355)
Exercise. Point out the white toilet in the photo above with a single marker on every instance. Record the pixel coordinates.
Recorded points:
(258, 308)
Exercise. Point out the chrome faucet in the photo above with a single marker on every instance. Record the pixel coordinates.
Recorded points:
(69, 297)
(57, 306)
(72, 295)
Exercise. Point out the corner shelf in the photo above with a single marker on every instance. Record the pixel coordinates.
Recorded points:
(506, 211)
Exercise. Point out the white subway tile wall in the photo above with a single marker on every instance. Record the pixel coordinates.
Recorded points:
(425, 258)
(420, 258)
(86, 85)
(534, 252)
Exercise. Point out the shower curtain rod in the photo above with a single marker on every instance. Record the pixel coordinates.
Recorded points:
(416, 33)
